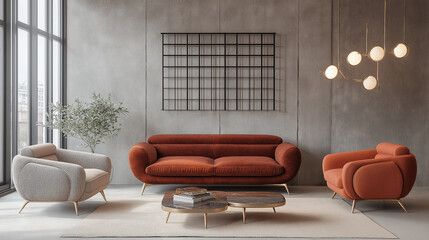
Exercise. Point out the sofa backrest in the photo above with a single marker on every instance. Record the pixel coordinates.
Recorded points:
(215, 145)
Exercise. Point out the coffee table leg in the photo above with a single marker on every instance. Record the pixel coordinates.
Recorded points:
(205, 220)
(168, 216)
(274, 210)
(244, 215)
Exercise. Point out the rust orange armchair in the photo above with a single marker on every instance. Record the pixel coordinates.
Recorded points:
(386, 173)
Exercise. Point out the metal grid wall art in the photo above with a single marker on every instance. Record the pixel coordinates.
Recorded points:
(218, 71)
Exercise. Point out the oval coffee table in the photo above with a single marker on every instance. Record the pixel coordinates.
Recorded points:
(255, 200)
(217, 204)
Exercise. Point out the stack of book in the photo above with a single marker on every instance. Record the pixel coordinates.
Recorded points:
(191, 195)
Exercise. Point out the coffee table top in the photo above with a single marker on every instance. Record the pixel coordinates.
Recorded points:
(255, 199)
(217, 204)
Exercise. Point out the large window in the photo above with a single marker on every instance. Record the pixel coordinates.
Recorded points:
(2, 95)
(31, 75)
(39, 50)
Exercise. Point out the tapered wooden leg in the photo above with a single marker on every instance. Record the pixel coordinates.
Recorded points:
(287, 189)
(168, 216)
(76, 208)
(205, 220)
(104, 196)
(244, 215)
(144, 187)
(353, 206)
(402, 205)
(274, 210)
(333, 195)
(23, 206)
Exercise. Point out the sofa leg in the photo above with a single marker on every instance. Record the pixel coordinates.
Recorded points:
(104, 196)
(23, 206)
(76, 208)
(144, 187)
(287, 189)
(402, 205)
(353, 206)
(333, 195)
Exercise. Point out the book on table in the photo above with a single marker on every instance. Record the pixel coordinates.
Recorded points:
(192, 198)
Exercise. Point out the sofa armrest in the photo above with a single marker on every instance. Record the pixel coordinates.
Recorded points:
(46, 180)
(140, 156)
(85, 159)
(289, 156)
(338, 160)
(376, 172)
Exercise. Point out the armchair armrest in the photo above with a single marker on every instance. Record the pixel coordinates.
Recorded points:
(141, 155)
(289, 156)
(46, 180)
(84, 159)
(338, 160)
(372, 179)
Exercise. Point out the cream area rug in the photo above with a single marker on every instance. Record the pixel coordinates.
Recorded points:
(300, 217)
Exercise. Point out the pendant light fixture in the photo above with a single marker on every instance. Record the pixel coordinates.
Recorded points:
(377, 53)
(354, 58)
(401, 50)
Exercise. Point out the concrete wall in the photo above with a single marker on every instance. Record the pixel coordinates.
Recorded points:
(114, 46)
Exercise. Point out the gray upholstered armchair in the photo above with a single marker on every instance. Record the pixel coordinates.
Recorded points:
(43, 173)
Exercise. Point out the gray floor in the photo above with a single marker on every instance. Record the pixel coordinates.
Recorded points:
(51, 220)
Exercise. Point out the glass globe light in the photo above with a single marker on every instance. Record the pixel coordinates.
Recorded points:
(376, 54)
(354, 58)
(331, 72)
(369, 83)
(401, 50)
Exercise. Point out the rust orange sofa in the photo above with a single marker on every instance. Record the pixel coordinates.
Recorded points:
(386, 173)
(222, 159)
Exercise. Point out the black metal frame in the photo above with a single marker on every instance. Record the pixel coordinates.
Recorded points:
(219, 65)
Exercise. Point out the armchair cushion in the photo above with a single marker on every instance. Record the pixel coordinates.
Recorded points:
(392, 149)
(45, 151)
(95, 179)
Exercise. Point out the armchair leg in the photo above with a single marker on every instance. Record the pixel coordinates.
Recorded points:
(104, 196)
(287, 189)
(23, 206)
(353, 206)
(402, 205)
(76, 208)
(333, 195)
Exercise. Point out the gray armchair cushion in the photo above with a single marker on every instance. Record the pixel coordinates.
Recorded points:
(39, 150)
(84, 159)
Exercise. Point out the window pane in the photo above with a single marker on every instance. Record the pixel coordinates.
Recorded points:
(56, 17)
(23, 11)
(23, 87)
(41, 87)
(41, 14)
(56, 86)
(1, 9)
(2, 111)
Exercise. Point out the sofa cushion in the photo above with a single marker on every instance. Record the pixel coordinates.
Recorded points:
(247, 166)
(176, 166)
(334, 177)
(96, 179)
(214, 139)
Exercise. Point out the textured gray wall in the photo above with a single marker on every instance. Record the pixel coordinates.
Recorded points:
(115, 46)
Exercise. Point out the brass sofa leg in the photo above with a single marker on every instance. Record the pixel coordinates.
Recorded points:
(402, 205)
(144, 187)
(104, 196)
(23, 206)
(76, 208)
(333, 195)
(287, 189)
(353, 206)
